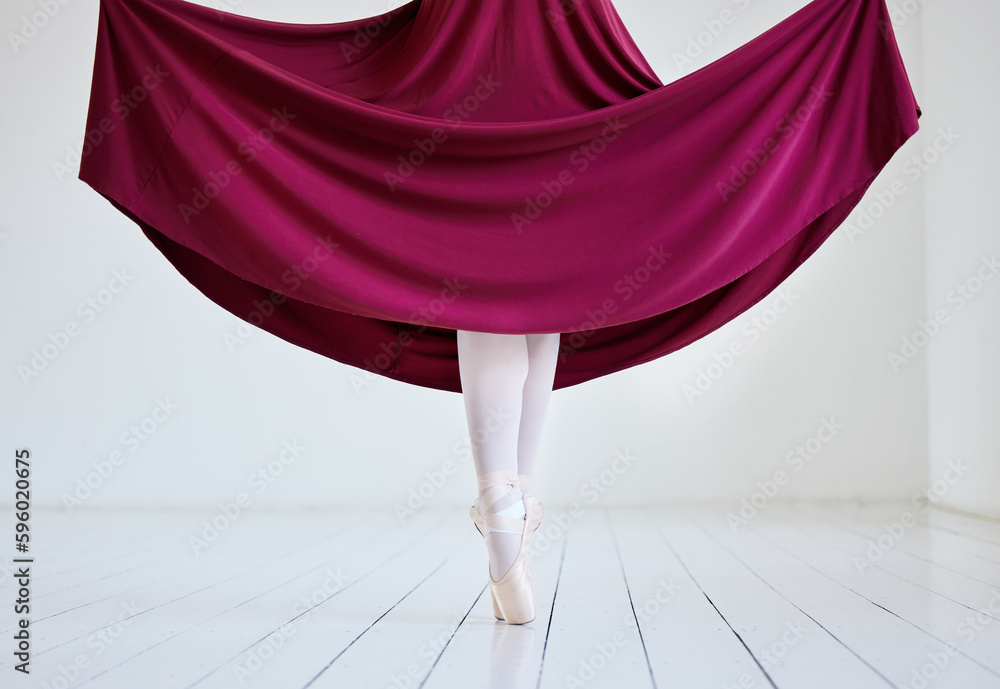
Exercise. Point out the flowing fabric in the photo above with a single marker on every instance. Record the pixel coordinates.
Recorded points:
(363, 189)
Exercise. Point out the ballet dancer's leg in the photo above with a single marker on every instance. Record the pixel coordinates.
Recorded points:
(543, 353)
(493, 369)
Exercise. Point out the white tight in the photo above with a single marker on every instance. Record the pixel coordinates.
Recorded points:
(506, 386)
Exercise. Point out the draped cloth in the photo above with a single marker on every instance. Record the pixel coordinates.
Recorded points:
(362, 189)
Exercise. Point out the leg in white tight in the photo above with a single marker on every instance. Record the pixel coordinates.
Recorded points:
(543, 352)
(506, 385)
(493, 369)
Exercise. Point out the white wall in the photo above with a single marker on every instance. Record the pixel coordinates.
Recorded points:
(962, 60)
(826, 358)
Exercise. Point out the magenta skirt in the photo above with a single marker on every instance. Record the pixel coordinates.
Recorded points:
(364, 189)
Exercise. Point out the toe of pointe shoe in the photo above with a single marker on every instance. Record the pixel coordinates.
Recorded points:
(517, 610)
(496, 606)
(514, 592)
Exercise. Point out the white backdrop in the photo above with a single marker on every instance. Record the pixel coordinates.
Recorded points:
(963, 247)
(143, 404)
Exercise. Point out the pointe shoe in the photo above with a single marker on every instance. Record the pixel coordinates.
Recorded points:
(533, 517)
(512, 595)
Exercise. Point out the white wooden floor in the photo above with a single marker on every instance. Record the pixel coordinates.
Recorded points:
(798, 597)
